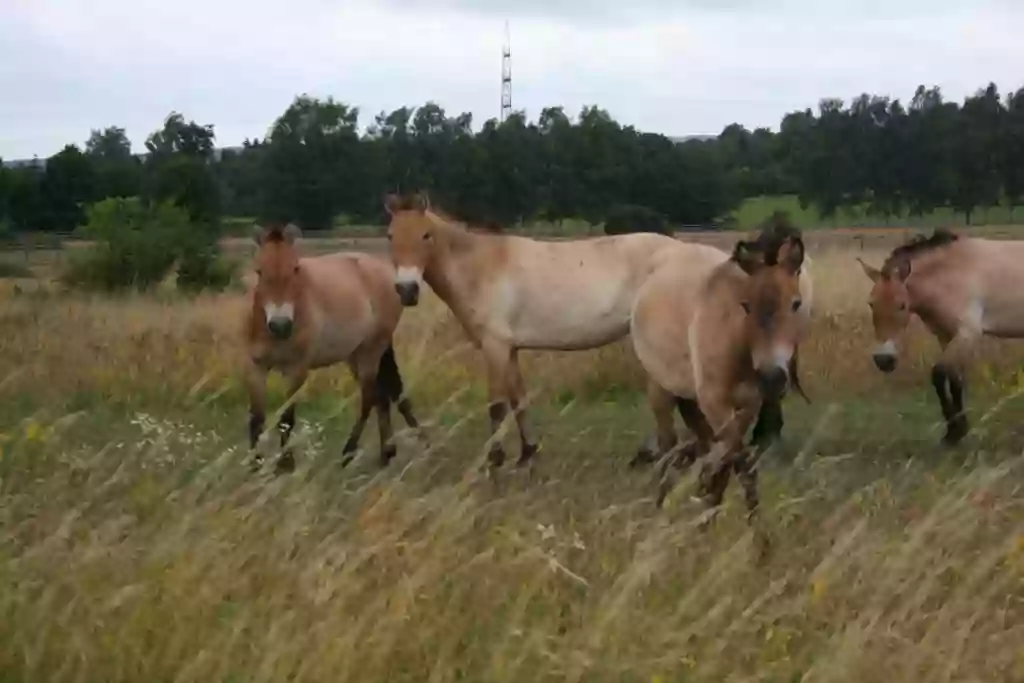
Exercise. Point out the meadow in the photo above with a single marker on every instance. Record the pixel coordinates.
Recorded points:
(137, 545)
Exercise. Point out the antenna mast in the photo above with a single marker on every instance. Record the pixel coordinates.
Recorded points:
(506, 75)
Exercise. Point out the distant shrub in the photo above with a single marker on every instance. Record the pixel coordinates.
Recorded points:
(204, 268)
(14, 270)
(137, 245)
(627, 218)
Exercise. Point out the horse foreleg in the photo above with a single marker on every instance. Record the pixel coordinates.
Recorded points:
(497, 356)
(517, 399)
(296, 378)
(948, 381)
(367, 400)
(256, 385)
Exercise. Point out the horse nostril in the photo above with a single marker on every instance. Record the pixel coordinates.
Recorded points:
(773, 381)
(885, 362)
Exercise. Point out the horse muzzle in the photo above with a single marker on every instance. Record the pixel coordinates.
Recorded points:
(281, 328)
(886, 362)
(408, 292)
(772, 382)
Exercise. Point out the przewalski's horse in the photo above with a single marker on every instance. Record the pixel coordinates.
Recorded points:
(312, 312)
(510, 292)
(718, 337)
(962, 289)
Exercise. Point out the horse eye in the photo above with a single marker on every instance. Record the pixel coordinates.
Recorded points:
(745, 305)
(389, 236)
(259, 271)
(796, 304)
(903, 307)
(427, 236)
(296, 269)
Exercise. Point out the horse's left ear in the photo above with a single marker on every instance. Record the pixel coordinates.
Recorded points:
(791, 254)
(257, 233)
(291, 233)
(748, 256)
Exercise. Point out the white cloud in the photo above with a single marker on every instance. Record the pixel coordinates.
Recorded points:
(70, 65)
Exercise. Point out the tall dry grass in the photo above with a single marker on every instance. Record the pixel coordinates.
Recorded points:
(138, 547)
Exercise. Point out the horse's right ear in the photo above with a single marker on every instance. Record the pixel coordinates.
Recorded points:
(421, 202)
(257, 233)
(874, 273)
(747, 256)
(391, 203)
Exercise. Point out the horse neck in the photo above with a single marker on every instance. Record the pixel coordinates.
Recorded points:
(924, 268)
(452, 262)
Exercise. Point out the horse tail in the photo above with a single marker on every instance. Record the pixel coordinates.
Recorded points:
(389, 380)
(389, 384)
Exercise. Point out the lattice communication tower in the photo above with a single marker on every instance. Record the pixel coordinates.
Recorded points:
(506, 76)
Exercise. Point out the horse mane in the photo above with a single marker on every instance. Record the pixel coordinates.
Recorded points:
(940, 237)
(274, 234)
(469, 220)
(774, 231)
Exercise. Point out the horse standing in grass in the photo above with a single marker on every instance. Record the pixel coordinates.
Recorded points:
(510, 292)
(962, 289)
(718, 338)
(313, 312)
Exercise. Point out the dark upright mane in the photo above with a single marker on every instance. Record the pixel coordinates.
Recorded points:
(918, 244)
(774, 231)
(274, 234)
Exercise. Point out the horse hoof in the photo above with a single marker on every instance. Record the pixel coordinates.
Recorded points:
(529, 450)
(387, 455)
(643, 457)
(285, 464)
(347, 458)
(256, 463)
(955, 432)
(496, 458)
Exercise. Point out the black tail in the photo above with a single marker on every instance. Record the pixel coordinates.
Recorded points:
(389, 381)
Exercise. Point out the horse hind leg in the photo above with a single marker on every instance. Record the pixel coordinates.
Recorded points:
(517, 399)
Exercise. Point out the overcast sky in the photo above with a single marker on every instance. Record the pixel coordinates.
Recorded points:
(678, 67)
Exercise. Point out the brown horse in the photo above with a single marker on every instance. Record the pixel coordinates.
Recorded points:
(962, 289)
(510, 292)
(718, 338)
(313, 312)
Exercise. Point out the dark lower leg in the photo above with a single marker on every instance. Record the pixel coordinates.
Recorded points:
(388, 449)
(257, 420)
(943, 382)
(496, 411)
(405, 409)
(365, 407)
(697, 423)
(746, 472)
(285, 426)
(958, 425)
(769, 424)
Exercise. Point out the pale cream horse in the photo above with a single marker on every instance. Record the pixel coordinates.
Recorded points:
(306, 313)
(718, 336)
(510, 292)
(962, 288)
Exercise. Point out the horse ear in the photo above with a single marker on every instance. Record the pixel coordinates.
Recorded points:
(791, 254)
(257, 233)
(874, 273)
(391, 203)
(903, 268)
(747, 256)
(421, 202)
(291, 233)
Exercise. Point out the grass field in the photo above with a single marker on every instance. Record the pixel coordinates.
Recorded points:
(137, 546)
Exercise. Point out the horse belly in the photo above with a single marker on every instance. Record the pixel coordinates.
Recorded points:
(558, 324)
(336, 342)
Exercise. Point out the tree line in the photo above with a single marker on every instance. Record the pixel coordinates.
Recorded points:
(315, 166)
